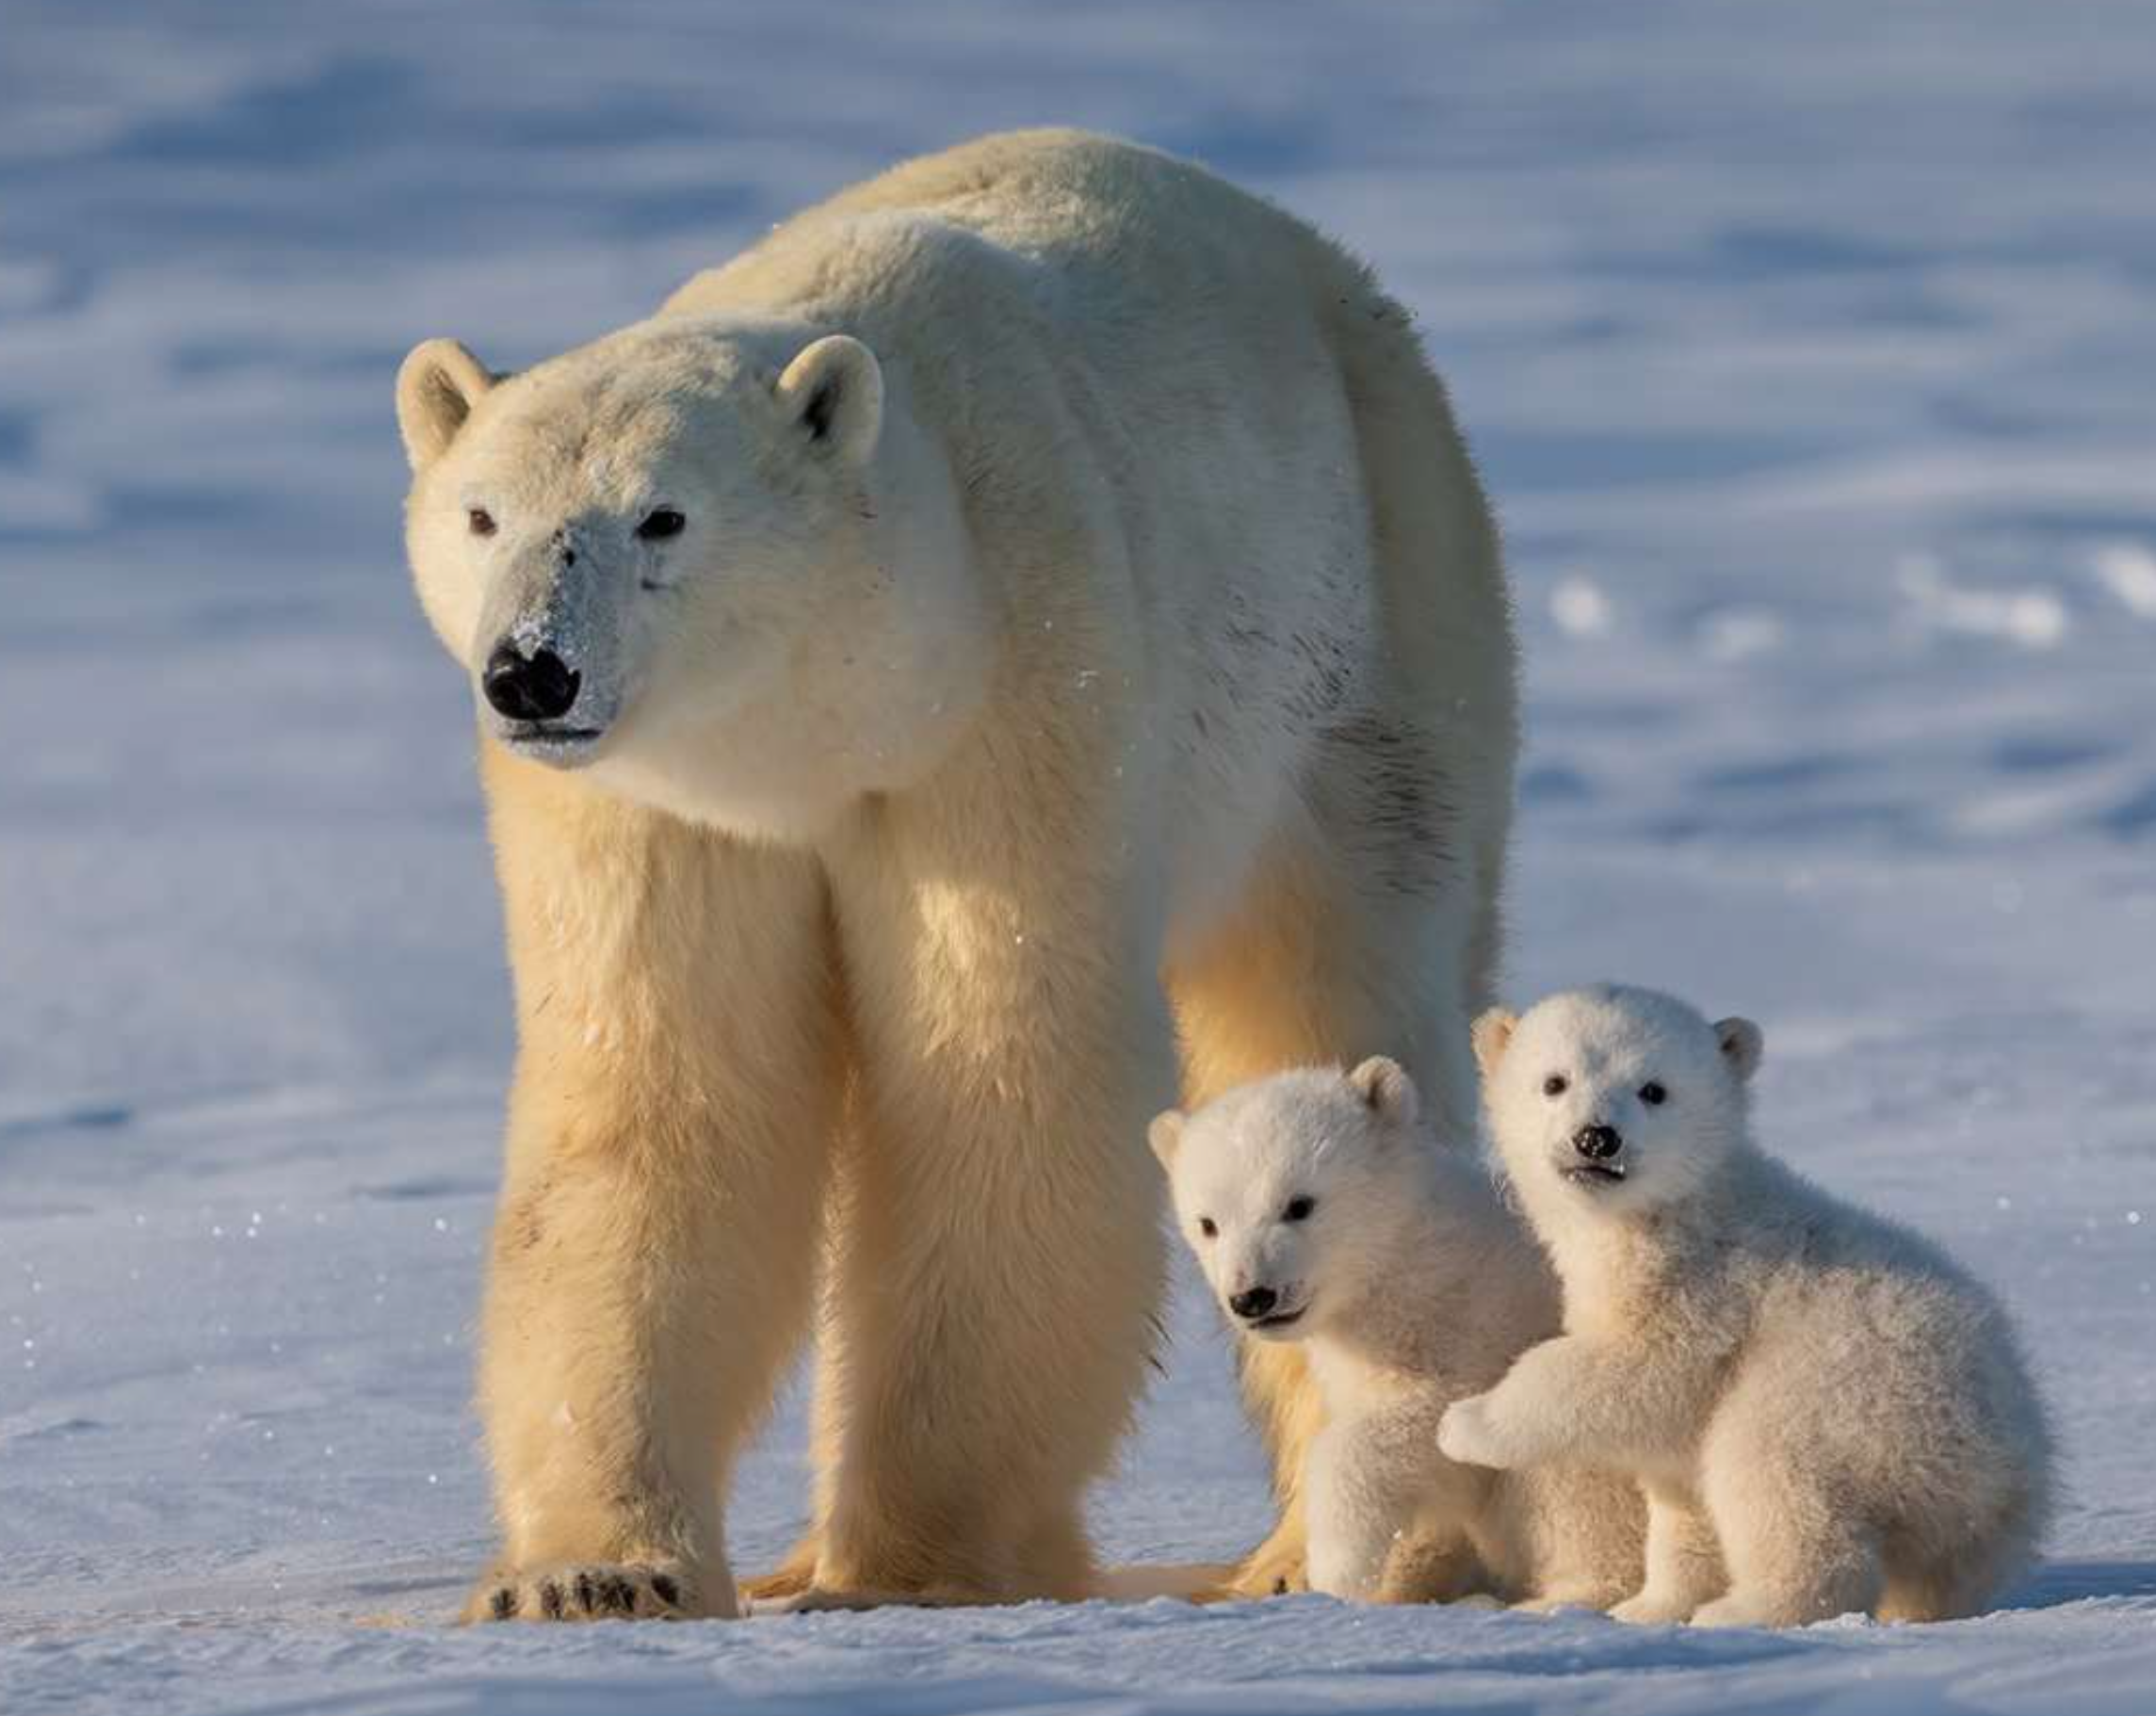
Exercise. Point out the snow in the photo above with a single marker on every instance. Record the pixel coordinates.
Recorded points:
(1807, 351)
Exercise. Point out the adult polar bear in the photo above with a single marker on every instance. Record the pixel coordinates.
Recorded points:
(1037, 589)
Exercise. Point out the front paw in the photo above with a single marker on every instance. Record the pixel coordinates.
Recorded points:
(593, 1591)
(1470, 1435)
(1652, 1608)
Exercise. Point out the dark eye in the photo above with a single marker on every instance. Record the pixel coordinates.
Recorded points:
(1206, 1227)
(1555, 1085)
(480, 520)
(1299, 1209)
(659, 525)
(1653, 1094)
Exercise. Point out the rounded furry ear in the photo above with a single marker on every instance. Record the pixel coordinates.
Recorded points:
(1165, 1135)
(834, 391)
(1492, 1037)
(1742, 1043)
(437, 385)
(1386, 1086)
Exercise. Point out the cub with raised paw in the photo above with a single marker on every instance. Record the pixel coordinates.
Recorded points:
(1826, 1414)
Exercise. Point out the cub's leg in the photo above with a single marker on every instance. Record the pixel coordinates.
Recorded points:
(1796, 1552)
(1568, 1399)
(1684, 1564)
(1323, 960)
(1369, 1481)
(996, 1252)
(666, 1140)
(1585, 1530)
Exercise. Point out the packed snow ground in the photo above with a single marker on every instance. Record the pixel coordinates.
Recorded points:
(1808, 352)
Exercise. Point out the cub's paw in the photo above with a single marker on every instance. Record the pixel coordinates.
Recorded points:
(1561, 1597)
(1737, 1609)
(1469, 1434)
(593, 1591)
(1652, 1609)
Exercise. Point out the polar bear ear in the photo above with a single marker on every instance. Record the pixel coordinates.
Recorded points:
(436, 388)
(1742, 1043)
(1387, 1087)
(1166, 1135)
(1492, 1037)
(834, 391)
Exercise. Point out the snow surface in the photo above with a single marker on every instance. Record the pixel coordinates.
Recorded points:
(1810, 353)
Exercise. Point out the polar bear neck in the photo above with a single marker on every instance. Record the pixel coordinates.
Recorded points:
(1612, 1259)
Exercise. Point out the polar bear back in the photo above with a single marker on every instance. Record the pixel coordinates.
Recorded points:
(1912, 1369)
(1188, 423)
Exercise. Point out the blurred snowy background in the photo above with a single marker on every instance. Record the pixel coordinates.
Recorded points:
(1810, 354)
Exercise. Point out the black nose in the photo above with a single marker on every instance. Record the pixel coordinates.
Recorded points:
(1255, 1301)
(540, 688)
(1597, 1143)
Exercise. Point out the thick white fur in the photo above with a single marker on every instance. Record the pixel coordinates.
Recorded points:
(1825, 1413)
(1411, 1285)
(1084, 629)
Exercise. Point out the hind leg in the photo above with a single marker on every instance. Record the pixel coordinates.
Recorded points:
(1320, 963)
(1684, 1564)
(1795, 1553)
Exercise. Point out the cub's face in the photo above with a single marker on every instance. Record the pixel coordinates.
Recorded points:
(1619, 1099)
(1285, 1188)
(656, 558)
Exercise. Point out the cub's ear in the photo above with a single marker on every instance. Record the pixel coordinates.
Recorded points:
(834, 391)
(436, 388)
(1742, 1043)
(1166, 1135)
(1493, 1036)
(1387, 1087)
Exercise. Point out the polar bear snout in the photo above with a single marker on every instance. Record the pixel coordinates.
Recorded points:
(1264, 1311)
(1597, 1156)
(1254, 1303)
(536, 688)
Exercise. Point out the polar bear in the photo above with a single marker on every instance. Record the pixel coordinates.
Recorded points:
(1320, 1212)
(1828, 1414)
(1028, 615)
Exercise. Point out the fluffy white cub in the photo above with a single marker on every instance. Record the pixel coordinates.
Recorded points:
(1321, 1213)
(1825, 1413)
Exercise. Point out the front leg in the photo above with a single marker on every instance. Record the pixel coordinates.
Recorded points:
(996, 1253)
(1375, 1490)
(652, 1258)
(1573, 1399)
(1684, 1564)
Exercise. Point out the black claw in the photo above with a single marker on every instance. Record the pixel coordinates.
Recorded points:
(1280, 1586)
(550, 1600)
(666, 1590)
(584, 1594)
(619, 1595)
(503, 1604)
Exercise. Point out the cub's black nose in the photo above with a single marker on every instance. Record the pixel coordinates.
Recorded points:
(1597, 1143)
(542, 687)
(1255, 1301)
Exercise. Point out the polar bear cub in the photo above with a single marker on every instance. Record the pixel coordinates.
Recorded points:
(1321, 1213)
(1825, 1413)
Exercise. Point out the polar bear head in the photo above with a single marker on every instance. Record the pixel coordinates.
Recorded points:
(1288, 1188)
(1614, 1098)
(716, 563)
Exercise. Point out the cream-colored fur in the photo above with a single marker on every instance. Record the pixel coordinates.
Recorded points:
(1031, 607)
(1826, 1414)
(1388, 1257)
